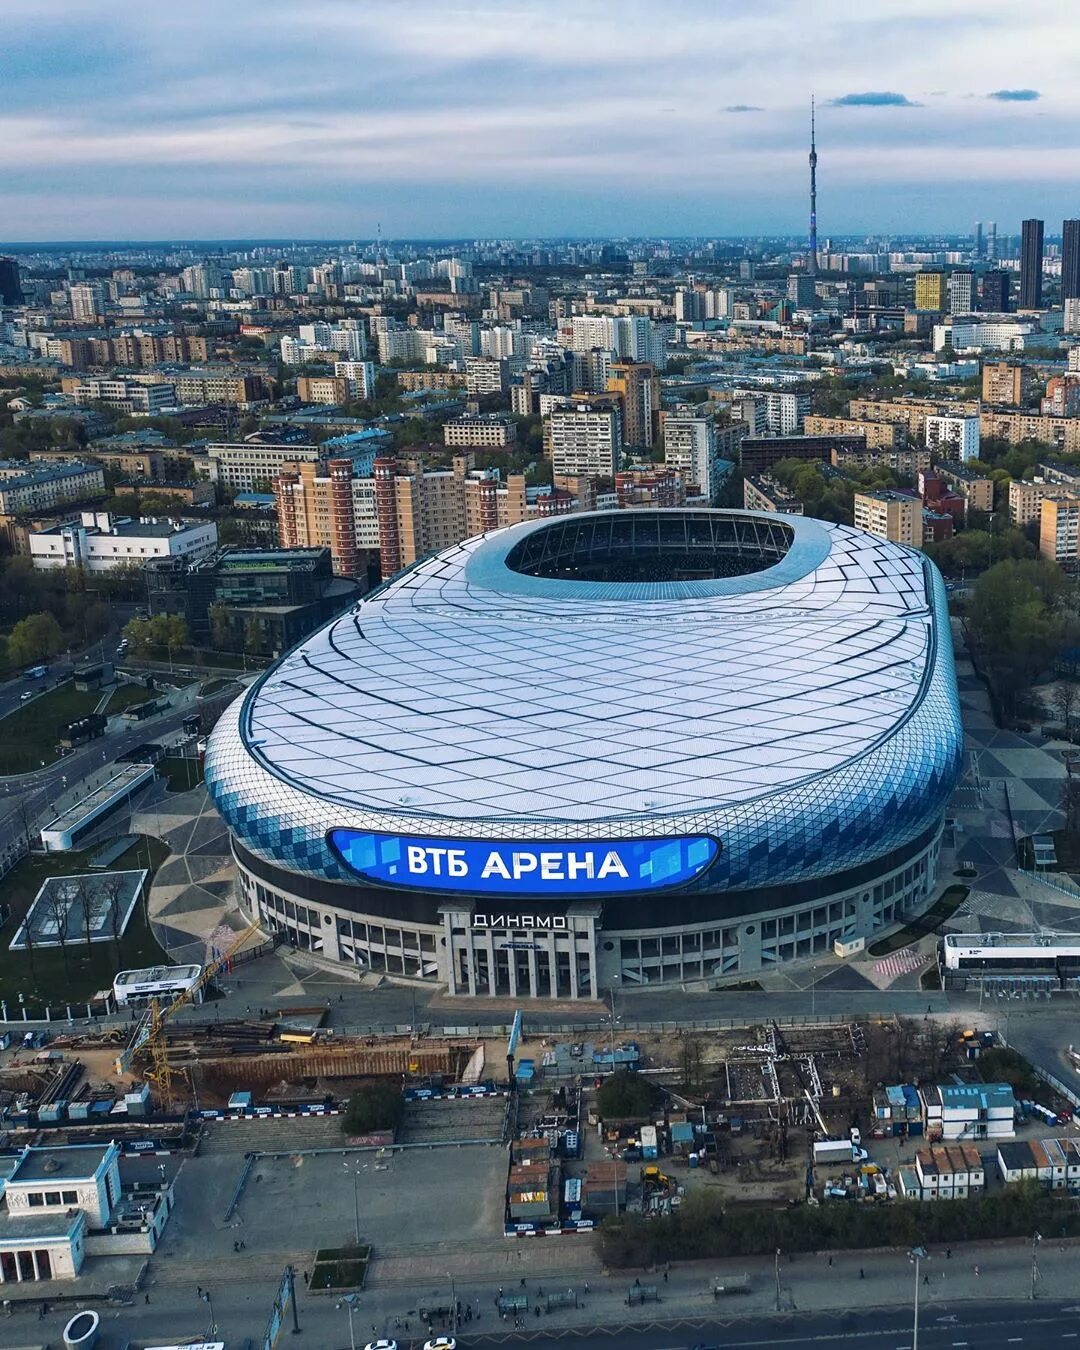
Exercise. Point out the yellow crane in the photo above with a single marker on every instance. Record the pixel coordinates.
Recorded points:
(149, 1037)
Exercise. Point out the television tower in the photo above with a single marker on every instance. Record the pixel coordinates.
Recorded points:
(811, 257)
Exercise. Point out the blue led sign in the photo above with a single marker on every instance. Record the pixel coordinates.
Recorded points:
(518, 867)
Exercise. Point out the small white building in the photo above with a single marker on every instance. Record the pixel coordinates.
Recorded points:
(949, 1172)
(98, 542)
(969, 1111)
(1054, 1163)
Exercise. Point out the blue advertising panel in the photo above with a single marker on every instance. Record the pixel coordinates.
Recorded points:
(519, 867)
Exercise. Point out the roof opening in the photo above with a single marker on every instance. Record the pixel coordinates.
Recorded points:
(629, 546)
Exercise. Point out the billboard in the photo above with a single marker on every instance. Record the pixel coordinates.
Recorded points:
(520, 867)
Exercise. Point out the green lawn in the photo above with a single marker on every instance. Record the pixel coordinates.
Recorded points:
(128, 696)
(30, 735)
(180, 774)
(56, 978)
(951, 900)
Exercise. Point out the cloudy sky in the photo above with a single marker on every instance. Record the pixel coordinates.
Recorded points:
(532, 117)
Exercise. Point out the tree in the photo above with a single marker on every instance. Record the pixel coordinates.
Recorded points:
(220, 631)
(55, 904)
(625, 1094)
(1016, 623)
(138, 633)
(374, 1107)
(253, 638)
(35, 638)
(1064, 701)
(113, 886)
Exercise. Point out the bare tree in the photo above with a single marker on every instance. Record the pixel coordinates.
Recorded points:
(83, 892)
(1064, 701)
(55, 904)
(113, 886)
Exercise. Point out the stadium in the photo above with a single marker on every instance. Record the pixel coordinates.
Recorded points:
(603, 750)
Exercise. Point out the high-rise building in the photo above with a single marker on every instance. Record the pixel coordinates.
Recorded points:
(1070, 259)
(991, 242)
(994, 298)
(1003, 384)
(636, 384)
(690, 450)
(961, 292)
(890, 514)
(315, 510)
(958, 436)
(1031, 264)
(11, 292)
(689, 306)
(930, 290)
(586, 438)
(802, 290)
(1059, 528)
(978, 250)
(87, 302)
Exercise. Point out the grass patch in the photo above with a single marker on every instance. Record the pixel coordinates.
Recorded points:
(951, 900)
(212, 687)
(340, 1267)
(47, 975)
(180, 774)
(129, 696)
(31, 734)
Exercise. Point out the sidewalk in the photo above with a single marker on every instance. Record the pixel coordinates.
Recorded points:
(808, 1283)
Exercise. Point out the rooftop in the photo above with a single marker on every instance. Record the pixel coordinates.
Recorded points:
(59, 1224)
(126, 777)
(154, 974)
(71, 1162)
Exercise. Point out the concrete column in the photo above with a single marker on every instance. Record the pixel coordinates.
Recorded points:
(37, 1268)
(533, 982)
(511, 966)
(451, 955)
(573, 963)
(489, 942)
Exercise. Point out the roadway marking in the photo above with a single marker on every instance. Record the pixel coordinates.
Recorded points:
(1015, 1340)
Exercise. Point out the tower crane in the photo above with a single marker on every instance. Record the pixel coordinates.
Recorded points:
(149, 1038)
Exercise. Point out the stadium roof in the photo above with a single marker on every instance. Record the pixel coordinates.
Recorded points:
(465, 689)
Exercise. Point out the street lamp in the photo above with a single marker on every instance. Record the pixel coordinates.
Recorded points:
(1036, 1238)
(355, 1169)
(916, 1255)
(453, 1303)
(204, 1294)
(778, 1279)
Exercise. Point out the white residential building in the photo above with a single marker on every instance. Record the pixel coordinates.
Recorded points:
(132, 396)
(361, 377)
(957, 437)
(586, 439)
(690, 449)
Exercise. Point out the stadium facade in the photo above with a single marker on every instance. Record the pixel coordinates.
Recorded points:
(607, 749)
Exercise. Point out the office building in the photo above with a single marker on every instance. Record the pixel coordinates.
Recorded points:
(690, 450)
(127, 396)
(1070, 259)
(1031, 264)
(386, 849)
(11, 292)
(99, 542)
(1059, 528)
(961, 292)
(260, 600)
(956, 437)
(635, 382)
(759, 454)
(930, 291)
(586, 438)
(890, 514)
(802, 290)
(994, 292)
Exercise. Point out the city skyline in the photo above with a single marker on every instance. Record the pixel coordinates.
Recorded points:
(134, 123)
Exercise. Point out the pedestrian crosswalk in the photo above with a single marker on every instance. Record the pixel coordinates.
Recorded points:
(901, 962)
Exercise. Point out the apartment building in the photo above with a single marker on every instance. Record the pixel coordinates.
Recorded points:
(242, 466)
(126, 395)
(327, 389)
(690, 450)
(40, 487)
(910, 413)
(879, 435)
(494, 430)
(316, 509)
(635, 382)
(977, 490)
(890, 514)
(586, 438)
(197, 389)
(1014, 427)
(1003, 383)
(636, 489)
(958, 435)
(930, 290)
(910, 462)
(1059, 528)
(762, 492)
(1026, 496)
(486, 376)
(360, 378)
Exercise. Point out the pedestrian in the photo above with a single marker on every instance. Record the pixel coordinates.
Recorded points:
(830, 1260)
(198, 1290)
(146, 1297)
(637, 1284)
(976, 1270)
(862, 1273)
(948, 1253)
(665, 1277)
(306, 1277)
(926, 1279)
(523, 1283)
(586, 1286)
